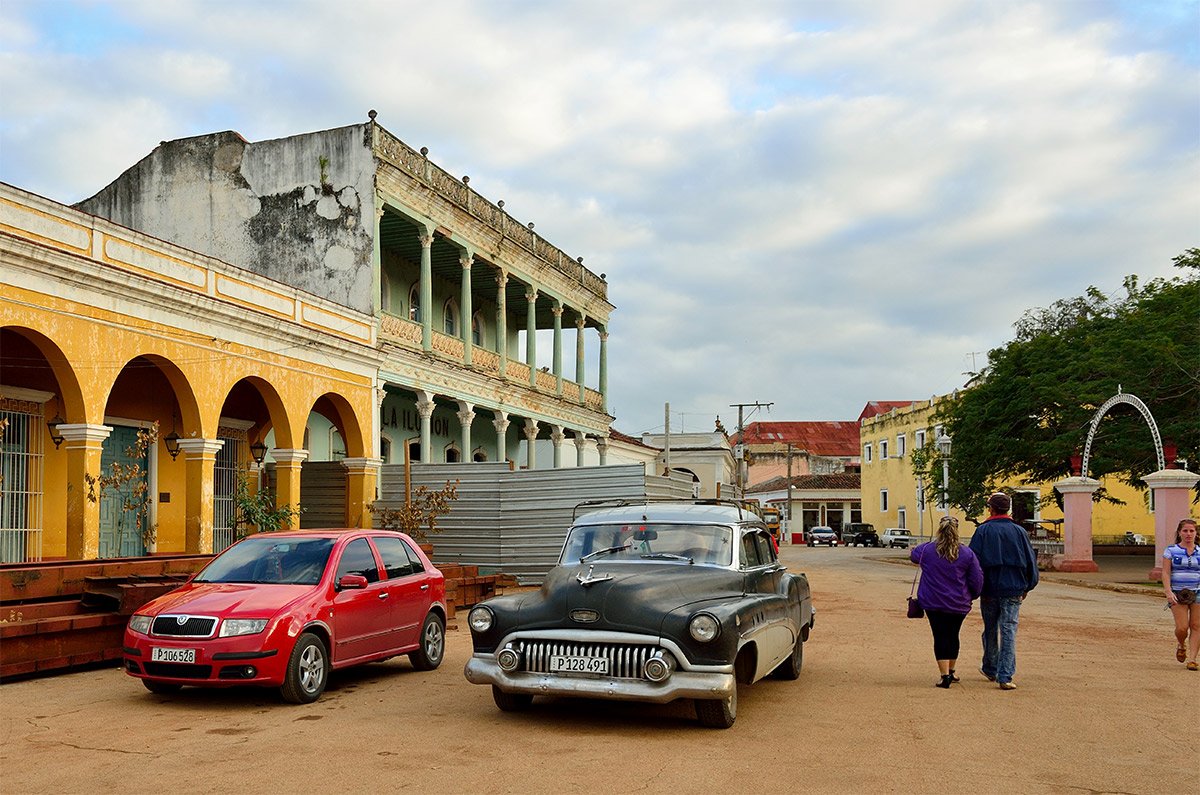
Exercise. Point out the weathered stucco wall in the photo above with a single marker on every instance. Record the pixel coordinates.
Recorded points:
(300, 210)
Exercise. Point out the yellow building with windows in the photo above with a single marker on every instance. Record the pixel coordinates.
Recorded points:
(893, 496)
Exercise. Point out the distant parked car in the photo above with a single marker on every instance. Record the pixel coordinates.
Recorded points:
(851, 530)
(865, 538)
(822, 535)
(284, 609)
(895, 537)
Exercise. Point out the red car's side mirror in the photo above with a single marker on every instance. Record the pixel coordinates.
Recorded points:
(352, 581)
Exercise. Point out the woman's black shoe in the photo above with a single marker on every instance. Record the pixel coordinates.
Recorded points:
(954, 678)
(946, 680)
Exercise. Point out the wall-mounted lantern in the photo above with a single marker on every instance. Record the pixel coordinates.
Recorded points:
(52, 426)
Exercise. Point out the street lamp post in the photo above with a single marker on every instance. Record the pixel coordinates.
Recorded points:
(943, 444)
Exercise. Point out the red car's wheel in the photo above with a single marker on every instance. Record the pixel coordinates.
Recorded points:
(433, 644)
(307, 671)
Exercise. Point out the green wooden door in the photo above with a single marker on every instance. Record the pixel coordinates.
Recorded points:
(120, 534)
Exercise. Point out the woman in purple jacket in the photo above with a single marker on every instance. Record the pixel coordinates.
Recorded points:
(950, 580)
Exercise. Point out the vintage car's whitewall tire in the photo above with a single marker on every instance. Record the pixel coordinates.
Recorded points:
(161, 688)
(433, 644)
(511, 702)
(789, 669)
(717, 713)
(307, 671)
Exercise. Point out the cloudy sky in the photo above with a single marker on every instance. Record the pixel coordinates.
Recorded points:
(814, 204)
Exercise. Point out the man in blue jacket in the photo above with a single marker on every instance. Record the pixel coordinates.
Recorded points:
(1009, 573)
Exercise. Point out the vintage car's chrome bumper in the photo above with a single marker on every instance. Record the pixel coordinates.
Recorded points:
(482, 669)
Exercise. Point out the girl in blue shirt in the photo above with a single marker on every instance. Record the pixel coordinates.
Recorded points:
(1180, 571)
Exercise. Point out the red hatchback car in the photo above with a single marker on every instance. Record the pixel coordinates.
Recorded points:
(284, 609)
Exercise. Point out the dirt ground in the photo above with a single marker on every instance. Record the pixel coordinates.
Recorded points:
(1093, 713)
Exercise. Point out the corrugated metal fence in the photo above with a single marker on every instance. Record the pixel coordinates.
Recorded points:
(515, 521)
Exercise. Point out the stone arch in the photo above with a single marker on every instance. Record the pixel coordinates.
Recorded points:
(72, 406)
(338, 410)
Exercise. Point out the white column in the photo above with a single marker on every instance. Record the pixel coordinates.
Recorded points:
(426, 238)
(425, 411)
(558, 374)
(531, 432)
(466, 416)
(531, 296)
(556, 438)
(466, 260)
(579, 325)
(604, 370)
(602, 449)
(502, 319)
(580, 446)
(500, 423)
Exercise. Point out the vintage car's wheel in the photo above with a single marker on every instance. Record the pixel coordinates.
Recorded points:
(161, 688)
(789, 669)
(307, 670)
(717, 713)
(433, 644)
(511, 702)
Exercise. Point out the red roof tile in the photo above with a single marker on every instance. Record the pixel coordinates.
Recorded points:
(877, 407)
(818, 438)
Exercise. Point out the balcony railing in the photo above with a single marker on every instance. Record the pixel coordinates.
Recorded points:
(456, 190)
(401, 331)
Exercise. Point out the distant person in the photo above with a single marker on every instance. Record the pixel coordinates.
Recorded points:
(950, 580)
(1009, 573)
(1181, 581)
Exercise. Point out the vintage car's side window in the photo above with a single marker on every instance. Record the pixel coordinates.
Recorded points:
(394, 552)
(766, 552)
(749, 552)
(357, 558)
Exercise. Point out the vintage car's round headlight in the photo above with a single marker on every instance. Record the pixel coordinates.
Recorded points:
(480, 619)
(704, 627)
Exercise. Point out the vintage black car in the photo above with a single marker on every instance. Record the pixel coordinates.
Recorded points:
(650, 602)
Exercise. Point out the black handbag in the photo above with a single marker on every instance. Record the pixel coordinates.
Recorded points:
(914, 607)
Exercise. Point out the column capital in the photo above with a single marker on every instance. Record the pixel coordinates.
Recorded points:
(202, 448)
(84, 432)
(603, 335)
(530, 429)
(580, 439)
(501, 278)
(1163, 478)
(557, 309)
(556, 434)
(426, 239)
(1073, 485)
(580, 322)
(466, 260)
(362, 465)
(289, 456)
(531, 294)
(466, 415)
(501, 422)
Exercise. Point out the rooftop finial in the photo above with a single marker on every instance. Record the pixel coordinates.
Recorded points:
(371, 114)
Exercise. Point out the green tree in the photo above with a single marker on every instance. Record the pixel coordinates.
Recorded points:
(257, 509)
(1029, 410)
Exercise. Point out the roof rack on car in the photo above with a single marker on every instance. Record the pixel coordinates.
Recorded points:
(619, 502)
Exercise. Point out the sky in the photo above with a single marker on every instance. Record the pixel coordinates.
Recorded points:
(808, 204)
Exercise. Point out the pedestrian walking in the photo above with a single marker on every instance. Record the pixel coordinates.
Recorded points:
(1181, 581)
(951, 580)
(1009, 573)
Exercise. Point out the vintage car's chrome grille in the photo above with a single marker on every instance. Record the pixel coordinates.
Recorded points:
(191, 626)
(625, 659)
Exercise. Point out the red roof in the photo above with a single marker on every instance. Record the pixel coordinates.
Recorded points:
(616, 435)
(818, 438)
(877, 407)
(840, 481)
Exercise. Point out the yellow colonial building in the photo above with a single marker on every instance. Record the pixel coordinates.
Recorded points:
(332, 296)
(893, 496)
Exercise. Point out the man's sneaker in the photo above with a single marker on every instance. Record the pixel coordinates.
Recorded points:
(1008, 685)
(987, 676)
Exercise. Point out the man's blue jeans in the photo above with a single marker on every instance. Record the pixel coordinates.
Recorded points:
(1000, 636)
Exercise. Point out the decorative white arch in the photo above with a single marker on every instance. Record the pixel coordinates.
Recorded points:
(1136, 402)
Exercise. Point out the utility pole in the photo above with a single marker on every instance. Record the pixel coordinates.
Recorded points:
(739, 455)
(789, 501)
(667, 439)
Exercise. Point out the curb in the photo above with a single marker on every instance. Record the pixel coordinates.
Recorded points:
(1116, 587)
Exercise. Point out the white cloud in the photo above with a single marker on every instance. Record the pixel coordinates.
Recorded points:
(812, 203)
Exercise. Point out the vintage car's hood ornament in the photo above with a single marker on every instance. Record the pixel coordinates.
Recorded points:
(587, 579)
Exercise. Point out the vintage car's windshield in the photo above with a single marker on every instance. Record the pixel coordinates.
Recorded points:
(700, 544)
(263, 559)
